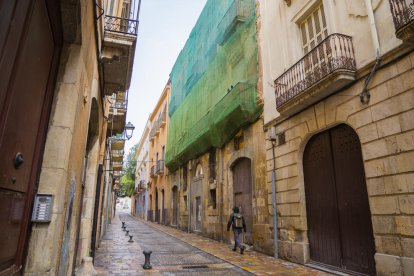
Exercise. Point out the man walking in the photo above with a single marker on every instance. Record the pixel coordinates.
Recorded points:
(238, 225)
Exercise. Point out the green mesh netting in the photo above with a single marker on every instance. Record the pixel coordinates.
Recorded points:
(213, 81)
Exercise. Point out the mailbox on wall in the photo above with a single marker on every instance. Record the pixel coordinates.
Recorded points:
(42, 208)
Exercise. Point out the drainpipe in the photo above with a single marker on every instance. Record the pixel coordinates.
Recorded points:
(178, 200)
(275, 237)
(221, 193)
(365, 95)
(188, 202)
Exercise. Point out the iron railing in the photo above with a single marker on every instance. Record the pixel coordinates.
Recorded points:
(121, 25)
(155, 128)
(402, 12)
(237, 12)
(117, 152)
(334, 53)
(119, 105)
(152, 172)
(160, 167)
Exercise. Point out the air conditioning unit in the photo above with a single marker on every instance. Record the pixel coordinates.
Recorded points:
(272, 134)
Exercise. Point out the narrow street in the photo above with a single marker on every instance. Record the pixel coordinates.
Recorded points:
(176, 252)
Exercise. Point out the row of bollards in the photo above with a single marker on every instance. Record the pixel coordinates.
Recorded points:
(147, 253)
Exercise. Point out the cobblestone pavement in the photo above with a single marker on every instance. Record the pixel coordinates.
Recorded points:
(179, 253)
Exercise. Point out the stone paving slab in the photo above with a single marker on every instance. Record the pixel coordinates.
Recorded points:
(252, 261)
(171, 256)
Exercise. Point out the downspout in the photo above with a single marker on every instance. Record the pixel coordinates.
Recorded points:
(221, 193)
(275, 236)
(188, 202)
(178, 199)
(365, 95)
(98, 53)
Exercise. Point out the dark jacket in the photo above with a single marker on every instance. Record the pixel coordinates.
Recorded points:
(231, 222)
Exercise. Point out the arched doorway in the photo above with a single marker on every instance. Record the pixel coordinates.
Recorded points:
(339, 220)
(242, 192)
(175, 205)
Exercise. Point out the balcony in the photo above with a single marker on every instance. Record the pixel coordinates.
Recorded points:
(162, 119)
(117, 142)
(237, 13)
(160, 167)
(117, 113)
(325, 69)
(155, 130)
(403, 17)
(142, 185)
(152, 172)
(118, 48)
(117, 165)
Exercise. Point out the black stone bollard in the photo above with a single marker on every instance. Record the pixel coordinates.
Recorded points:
(147, 254)
(123, 224)
(127, 233)
(130, 238)
(124, 228)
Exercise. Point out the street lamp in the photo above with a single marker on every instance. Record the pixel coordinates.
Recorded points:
(129, 129)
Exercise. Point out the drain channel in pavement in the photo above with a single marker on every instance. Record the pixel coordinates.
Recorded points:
(195, 266)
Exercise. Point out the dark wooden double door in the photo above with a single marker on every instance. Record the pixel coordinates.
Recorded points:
(29, 50)
(242, 190)
(338, 214)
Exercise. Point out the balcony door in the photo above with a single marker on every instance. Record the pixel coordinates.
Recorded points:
(29, 52)
(339, 219)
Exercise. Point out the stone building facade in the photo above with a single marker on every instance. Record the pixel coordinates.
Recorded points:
(140, 202)
(338, 110)
(159, 190)
(215, 151)
(56, 51)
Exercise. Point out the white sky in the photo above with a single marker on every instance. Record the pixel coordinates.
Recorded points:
(163, 30)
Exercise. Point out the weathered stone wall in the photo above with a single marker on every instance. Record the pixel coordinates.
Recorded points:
(51, 248)
(385, 128)
(214, 220)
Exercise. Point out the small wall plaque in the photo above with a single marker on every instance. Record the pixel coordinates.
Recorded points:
(42, 208)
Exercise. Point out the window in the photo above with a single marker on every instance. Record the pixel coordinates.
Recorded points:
(212, 164)
(213, 199)
(199, 170)
(313, 29)
(185, 203)
(185, 178)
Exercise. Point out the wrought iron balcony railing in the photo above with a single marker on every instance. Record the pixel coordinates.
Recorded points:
(117, 152)
(334, 53)
(237, 13)
(155, 129)
(162, 120)
(121, 25)
(160, 167)
(403, 17)
(152, 172)
(117, 164)
(119, 105)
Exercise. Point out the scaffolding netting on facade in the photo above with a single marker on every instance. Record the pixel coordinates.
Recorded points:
(213, 82)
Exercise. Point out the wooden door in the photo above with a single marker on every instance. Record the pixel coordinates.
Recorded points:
(175, 205)
(198, 213)
(339, 219)
(242, 189)
(29, 50)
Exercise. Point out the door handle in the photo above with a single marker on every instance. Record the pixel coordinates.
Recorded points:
(18, 160)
